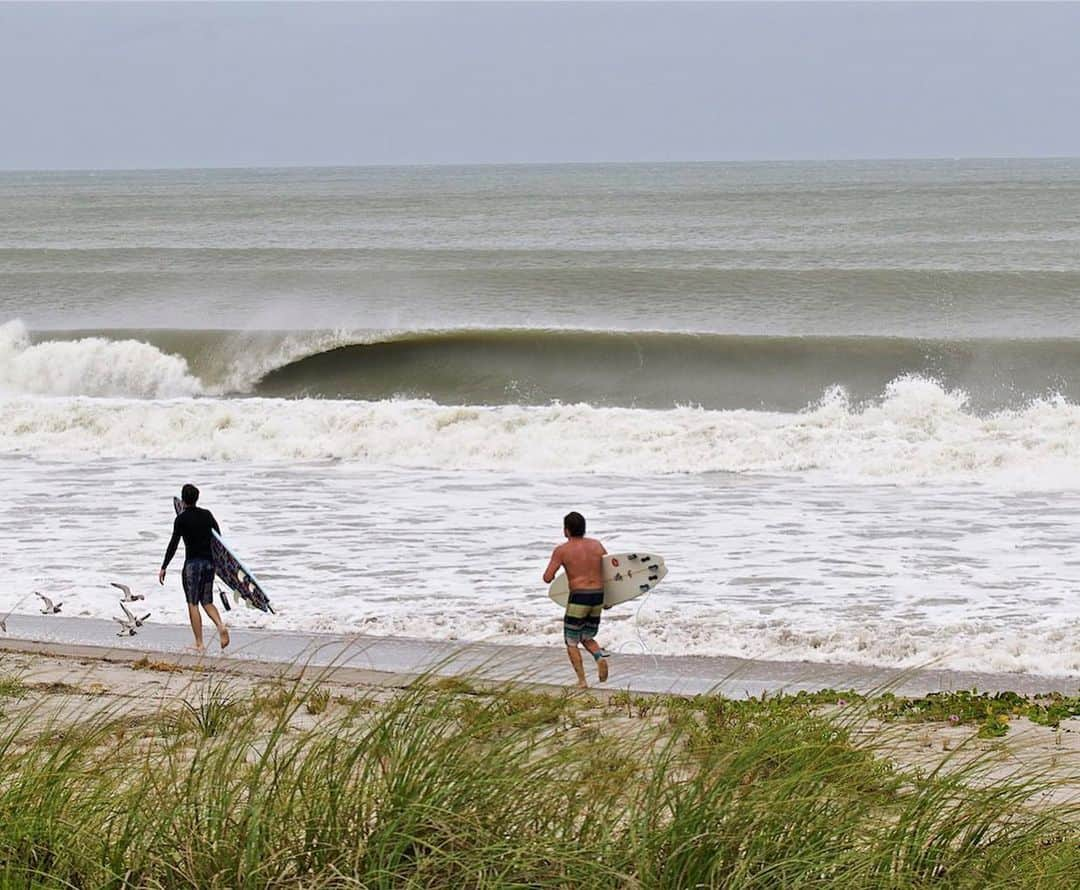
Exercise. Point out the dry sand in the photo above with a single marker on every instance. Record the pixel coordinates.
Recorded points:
(75, 685)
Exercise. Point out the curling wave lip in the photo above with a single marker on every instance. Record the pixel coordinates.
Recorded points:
(533, 366)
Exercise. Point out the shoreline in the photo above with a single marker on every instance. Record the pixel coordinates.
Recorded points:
(398, 661)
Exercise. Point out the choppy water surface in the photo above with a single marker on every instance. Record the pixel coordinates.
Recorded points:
(767, 567)
(839, 398)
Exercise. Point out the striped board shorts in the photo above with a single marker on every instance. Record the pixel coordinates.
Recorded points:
(582, 619)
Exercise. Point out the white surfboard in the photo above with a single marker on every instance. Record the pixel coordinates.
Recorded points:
(626, 577)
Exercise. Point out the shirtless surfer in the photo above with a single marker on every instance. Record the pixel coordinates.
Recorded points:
(583, 560)
(194, 525)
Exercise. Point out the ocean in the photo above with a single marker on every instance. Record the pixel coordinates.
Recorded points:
(840, 398)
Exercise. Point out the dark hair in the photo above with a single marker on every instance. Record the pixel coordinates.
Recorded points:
(574, 523)
(189, 494)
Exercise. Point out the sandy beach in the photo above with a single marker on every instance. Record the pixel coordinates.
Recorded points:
(143, 674)
(136, 678)
(147, 708)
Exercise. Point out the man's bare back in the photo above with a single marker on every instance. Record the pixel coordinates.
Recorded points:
(583, 560)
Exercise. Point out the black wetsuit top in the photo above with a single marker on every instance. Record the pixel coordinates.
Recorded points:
(193, 525)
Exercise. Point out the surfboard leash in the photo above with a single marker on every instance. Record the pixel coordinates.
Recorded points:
(637, 631)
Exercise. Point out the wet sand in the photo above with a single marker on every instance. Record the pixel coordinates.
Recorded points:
(396, 661)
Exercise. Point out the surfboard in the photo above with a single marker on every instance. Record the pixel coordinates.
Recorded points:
(626, 577)
(233, 573)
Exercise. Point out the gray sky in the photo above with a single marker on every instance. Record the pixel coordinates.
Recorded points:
(108, 86)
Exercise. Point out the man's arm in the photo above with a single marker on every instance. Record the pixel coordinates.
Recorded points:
(553, 567)
(213, 523)
(170, 552)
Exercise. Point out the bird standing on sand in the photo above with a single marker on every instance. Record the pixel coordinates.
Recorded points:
(128, 596)
(47, 604)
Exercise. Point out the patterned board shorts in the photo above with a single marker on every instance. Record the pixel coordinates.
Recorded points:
(199, 582)
(582, 619)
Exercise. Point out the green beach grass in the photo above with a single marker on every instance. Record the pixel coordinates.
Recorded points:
(445, 785)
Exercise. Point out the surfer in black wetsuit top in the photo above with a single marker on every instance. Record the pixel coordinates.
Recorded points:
(194, 525)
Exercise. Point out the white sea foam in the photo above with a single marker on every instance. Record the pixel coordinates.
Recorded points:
(916, 431)
(93, 366)
(777, 567)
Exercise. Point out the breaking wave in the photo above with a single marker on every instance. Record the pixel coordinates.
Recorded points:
(560, 401)
(149, 364)
(638, 369)
(93, 366)
(666, 369)
(917, 430)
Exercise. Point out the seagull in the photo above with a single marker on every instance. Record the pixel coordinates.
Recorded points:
(128, 597)
(47, 605)
(131, 619)
(126, 630)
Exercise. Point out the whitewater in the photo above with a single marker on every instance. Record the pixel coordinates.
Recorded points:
(840, 402)
(128, 399)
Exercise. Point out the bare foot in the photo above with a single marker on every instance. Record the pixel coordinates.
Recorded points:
(224, 636)
(601, 669)
(581, 684)
(198, 649)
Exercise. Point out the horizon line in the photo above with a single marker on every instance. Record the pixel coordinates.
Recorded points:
(475, 164)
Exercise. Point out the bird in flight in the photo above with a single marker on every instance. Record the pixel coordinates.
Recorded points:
(131, 619)
(48, 607)
(128, 596)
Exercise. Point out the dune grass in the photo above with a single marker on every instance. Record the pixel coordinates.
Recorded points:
(11, 686)
(444, 787)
